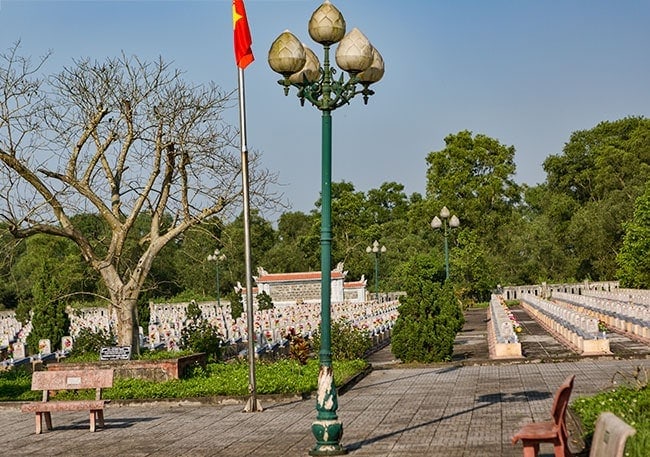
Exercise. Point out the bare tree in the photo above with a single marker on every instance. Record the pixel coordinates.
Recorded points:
(123, 139)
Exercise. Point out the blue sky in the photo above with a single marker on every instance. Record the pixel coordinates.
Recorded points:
(528, 73)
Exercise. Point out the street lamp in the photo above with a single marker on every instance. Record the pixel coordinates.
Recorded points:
(446, 224)
(377, 251)
(217, 257)
(300, 68)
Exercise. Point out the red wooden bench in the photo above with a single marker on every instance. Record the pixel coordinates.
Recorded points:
(69, 380)
(552, 431)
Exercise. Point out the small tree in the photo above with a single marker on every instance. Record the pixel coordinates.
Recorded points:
(198, 335)
(634, 256)
(236, 304)
(264, 301)
(429, 315)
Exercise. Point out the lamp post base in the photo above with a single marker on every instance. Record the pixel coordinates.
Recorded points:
(327, 429)
(328, 434)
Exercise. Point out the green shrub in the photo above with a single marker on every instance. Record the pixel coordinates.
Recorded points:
(429, 316)
(88, 341)
(198, 335)
(264, 301)
(630, 404)
(236, 304)
(347, 341)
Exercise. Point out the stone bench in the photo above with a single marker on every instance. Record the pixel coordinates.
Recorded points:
(610, 435)
(69, 380)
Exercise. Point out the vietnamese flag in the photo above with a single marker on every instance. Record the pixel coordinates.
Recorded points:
(243, 41)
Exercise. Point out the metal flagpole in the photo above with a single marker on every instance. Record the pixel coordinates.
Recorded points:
(253, 404)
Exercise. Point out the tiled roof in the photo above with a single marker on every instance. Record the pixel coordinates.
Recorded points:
(303, 276)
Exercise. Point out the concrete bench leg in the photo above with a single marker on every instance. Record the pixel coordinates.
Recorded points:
(48, 420)
(99, 417)
(39, 421)
(92, 420)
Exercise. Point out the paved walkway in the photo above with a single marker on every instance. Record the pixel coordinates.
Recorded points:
(469, 407)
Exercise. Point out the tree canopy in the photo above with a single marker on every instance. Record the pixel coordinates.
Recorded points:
(130, 141)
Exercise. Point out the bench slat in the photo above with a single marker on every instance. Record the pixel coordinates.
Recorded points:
(75, 405)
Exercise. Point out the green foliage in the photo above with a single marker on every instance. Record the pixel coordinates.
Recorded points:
(429, 315)
(474, 177)
(198, 335)
(16, 385)
(236, 304)
(88, 341)
(628, 403)
(597, 178)
(634, 257)
(281, 377)
(348, 342)
(264, 301)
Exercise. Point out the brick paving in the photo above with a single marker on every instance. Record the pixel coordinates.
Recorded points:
(468, 407)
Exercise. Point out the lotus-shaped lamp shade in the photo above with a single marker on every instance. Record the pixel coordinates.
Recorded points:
(354, 52)
(310, 71)
(454, 222)
(327, 25)
(286, 55)
(444, 212)
(436, 223)
(375, 71)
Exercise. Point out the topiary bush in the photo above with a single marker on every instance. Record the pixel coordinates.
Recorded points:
(429, 316)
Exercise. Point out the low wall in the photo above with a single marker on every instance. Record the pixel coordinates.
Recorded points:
(153, 370)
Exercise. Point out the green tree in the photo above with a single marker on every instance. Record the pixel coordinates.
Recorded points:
(601, 171)
(634, 257)
(297, 247)
(474, 177)
(54, 269)
(264, 301)
(198, 335)
(429, 315)
(125, 138)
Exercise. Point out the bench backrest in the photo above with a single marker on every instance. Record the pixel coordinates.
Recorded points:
(610, 436)
(72, 380)
(561, 400)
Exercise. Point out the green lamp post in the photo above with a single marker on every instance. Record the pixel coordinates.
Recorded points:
(377, 251)
(446, 223)
(217, 257)
(300, 68)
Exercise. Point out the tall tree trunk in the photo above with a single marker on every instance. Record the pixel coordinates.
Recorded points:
(127, 324)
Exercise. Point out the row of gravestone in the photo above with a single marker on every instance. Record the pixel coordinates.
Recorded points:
(612, 309)
(16, 352)
(578, 329)
(168, 320)
(270, 326)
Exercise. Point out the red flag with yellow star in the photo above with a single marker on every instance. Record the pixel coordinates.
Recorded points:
(243, 40)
